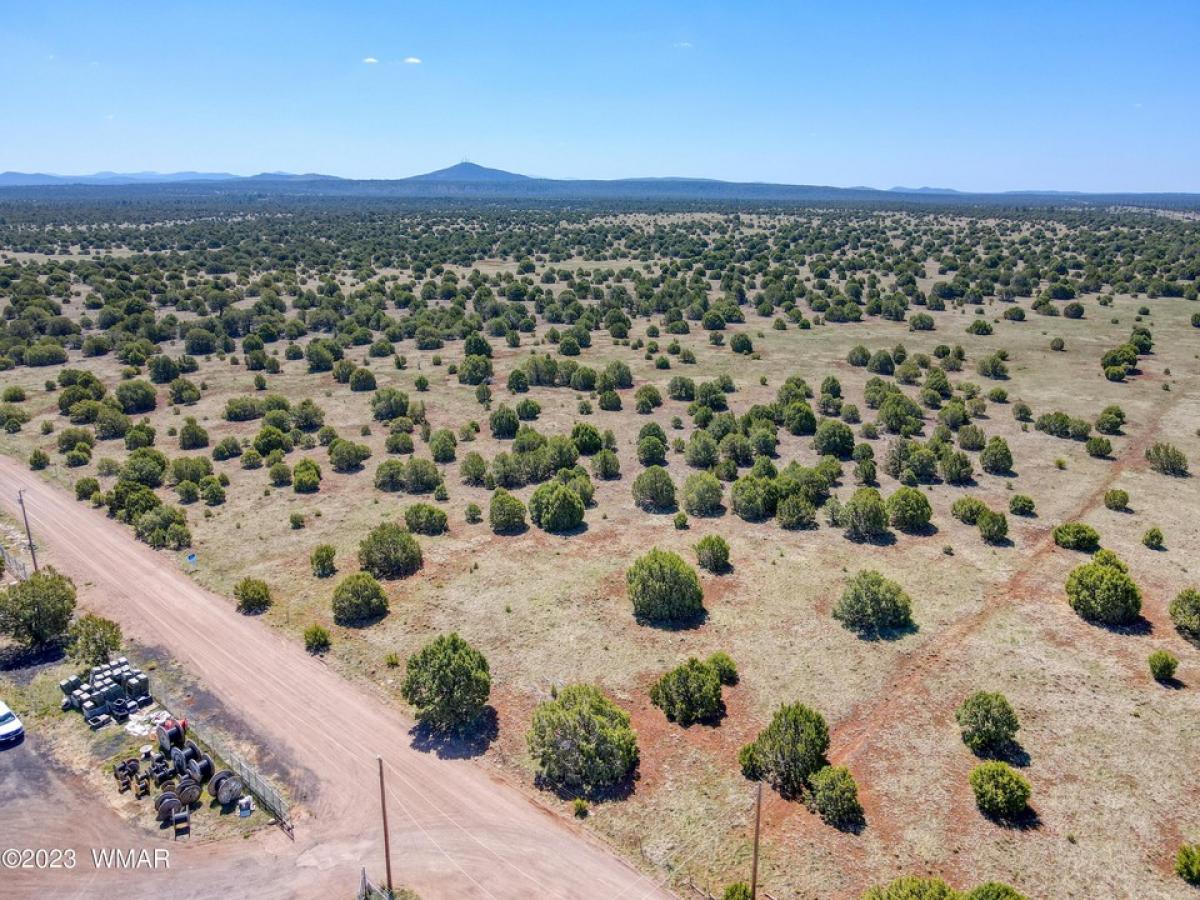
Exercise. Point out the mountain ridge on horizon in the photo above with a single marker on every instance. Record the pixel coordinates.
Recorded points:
(468, 179)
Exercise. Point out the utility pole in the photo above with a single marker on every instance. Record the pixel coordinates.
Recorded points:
(28, 533)
(387, 847)
(754, 861)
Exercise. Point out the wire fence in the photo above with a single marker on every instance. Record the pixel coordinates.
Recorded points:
(13, 564)
(256, 783)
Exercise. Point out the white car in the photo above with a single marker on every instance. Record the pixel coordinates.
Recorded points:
(11, 728)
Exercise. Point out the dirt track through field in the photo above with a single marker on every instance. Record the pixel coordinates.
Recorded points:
(456, 830)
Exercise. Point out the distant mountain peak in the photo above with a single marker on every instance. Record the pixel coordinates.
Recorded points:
(467, 172)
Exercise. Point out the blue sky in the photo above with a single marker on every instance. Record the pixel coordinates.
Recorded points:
(995, 96)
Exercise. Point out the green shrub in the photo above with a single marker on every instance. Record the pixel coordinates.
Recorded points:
(1116, 500)
(358, 598)
(316, 639)
(739, 890)
(506, 514)
(322, 561)
(1153, 538)
(605, 465)
(389, 551)
(795, 512)
(789, 751)
(993, 890)
(38, 460)
(1077, 536)
(724, 666)
(1187, 863)
(1167, 459)
(1000, 791)
(702, 494)
(92, 640)
(989, 723)
(447, 682)
(1162, 665)
(581, 741)
(993, 526)
(422, 518)
(835, 797)
(253, 596)
(712, 553)
(663, 588)
(911, 887)
(654, 490)
(1185, 612)
(864, 516)
(86, 487)
(556, 508)
(689, 693)
(1101, 591)
(909, 509)
(873, 606)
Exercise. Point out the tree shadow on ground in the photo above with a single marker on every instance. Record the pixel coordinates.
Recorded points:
(465, 743)
(893, 633)
(688, 624)
(1010, 752)
(15, 658)
(1139, 627)
(622, 790)
(1026, 820)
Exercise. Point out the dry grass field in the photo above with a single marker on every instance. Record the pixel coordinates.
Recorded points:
(1111, 754)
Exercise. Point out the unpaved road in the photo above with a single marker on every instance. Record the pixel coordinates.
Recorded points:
(456, 831)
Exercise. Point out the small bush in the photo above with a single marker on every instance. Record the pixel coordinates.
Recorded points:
(581, 741)
(689, 693)
(506, 514)
(993, 526)
(989, 723)
(253, 596)
(447, 683)
(1185, 612)
(789, 751)
(1077, 536)
(316, 639)
(322, 561)
(872, 605)
(663, 588)
(835, 797)
(1116, 500)
(1101, 591)
(712, 553)
(1000, 791)
(389, 551)
(909, 509)
(422, 518)
(1153, 538)
(654, 490)
(1167, 459)
(1162, 665)
(724, 666)
(1021, 505)
(358, 598)
(1187, 863)
(911, 887)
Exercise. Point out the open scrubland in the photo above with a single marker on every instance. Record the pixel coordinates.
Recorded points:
(644, 380)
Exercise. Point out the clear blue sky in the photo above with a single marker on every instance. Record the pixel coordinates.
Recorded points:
(972, 95)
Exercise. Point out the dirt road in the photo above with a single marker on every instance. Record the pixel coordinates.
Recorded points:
(456, 831)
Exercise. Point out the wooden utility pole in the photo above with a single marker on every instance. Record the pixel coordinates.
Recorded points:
(28, 533)
(754, 859)
(387, 847)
